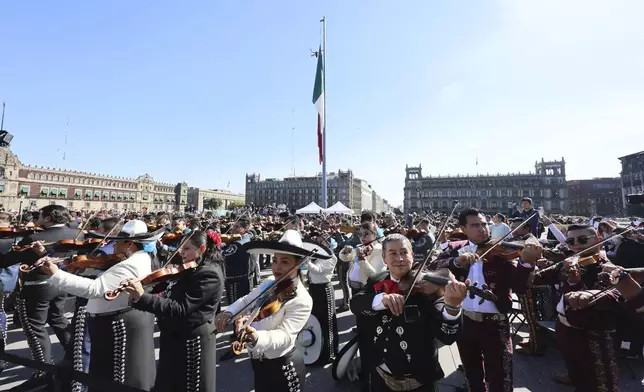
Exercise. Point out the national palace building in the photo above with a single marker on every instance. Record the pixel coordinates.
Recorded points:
(37, 187)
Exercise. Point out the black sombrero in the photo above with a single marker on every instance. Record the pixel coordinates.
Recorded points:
(291, 244)
(134, 230)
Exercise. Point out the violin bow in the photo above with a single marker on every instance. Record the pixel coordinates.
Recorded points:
(429, 254)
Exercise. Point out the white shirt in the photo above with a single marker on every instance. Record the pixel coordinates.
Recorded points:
(360, 270)
(321, 271)
(498, 230)
(475, 275)
(276, 334)
(138, 265)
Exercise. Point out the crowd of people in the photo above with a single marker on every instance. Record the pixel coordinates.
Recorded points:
(409, 280)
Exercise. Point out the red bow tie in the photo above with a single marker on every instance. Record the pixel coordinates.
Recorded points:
(387, 286)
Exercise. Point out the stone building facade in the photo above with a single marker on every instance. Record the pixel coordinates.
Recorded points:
(37, 187)
(490, 193)
(297, 192)
(597, 196)
(196, 197)
(632, 175)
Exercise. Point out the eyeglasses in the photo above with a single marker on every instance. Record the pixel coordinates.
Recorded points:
(581, 240)
(365, 233)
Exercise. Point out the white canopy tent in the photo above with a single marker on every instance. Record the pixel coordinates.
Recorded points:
(310, 209)
(339, 208)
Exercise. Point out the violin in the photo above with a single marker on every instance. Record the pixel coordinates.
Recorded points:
(441, 278)
(413, 233)
(153, 278)
(76, 263)
(62, 245)
(503, 250)
(177, 235)
(267, 305)
(230, 238)
(12, 232)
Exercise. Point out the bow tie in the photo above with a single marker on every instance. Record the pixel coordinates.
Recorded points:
(387, 286)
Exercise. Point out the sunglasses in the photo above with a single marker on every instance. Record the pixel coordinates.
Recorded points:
(581, 240)
(365, 233)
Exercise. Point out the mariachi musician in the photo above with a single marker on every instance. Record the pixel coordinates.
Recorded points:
(485, 345)
(40, 302)
(277, 364)
(114, 326)
(185, 311)
(321, 289)
(400, 345)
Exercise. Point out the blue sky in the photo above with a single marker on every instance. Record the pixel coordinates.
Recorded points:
(205, 91)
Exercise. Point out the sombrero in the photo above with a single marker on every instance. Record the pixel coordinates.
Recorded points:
(291, 244)
(134, 230)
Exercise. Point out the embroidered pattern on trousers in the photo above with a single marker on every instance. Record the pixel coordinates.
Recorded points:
(78, 340)
(293, 381)
(119, 334)
(3, 327)
(193, 364)
(330, 309)
(605, 367)
(32, 340)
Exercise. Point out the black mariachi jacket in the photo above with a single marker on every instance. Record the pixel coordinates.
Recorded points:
(408, 349)
(188, 302)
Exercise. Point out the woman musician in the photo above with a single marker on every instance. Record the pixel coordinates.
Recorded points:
(114, 326)
(276, 363)
(185, 310)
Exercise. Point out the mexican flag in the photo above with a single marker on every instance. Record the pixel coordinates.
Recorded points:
(318, 100)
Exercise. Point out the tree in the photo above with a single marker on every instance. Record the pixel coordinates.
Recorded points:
(212, 204)
(236, 204)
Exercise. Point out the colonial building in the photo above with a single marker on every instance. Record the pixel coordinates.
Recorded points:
(632, 175)
(598, 196)
(196, 197)
(490, 193)
(36, 187)
(296, 192)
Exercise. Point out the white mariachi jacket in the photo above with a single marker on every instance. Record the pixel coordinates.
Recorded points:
(372, 264)
(276, 334)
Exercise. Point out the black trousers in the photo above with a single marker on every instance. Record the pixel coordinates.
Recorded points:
(123, 348)
(187, 360)
(377, 384)
(343, 271)
(39, 305)
(283, 374)
(324, 309)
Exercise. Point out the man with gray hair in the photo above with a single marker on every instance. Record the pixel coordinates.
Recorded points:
(401, 349)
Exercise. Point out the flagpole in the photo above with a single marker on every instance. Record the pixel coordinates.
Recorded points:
(324, 184)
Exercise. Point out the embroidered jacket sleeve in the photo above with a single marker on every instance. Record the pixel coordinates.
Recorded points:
(548, 276)
(94, 288)
(447, 259)
(199, 291)
(520, 275)
(296, 314)
(445, 327)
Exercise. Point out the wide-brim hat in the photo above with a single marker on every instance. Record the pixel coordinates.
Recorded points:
(310, 340)
(291, 243)
(134, 230)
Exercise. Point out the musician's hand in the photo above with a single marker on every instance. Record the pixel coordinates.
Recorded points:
(48, 266)
(394, 302)
(542, 263)
(531, 253)
(579, 299)
(568, 263)
(134, 288)
(609, 267)
(251, 336)
(467, 258)
(239, 324)
(574, 273)
(347, 249)
(38, 247)
(546, 221)
(455, 292)
(222, 320)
